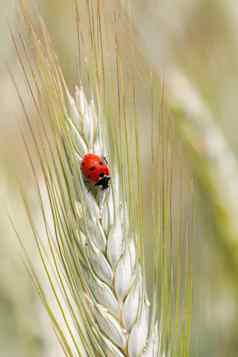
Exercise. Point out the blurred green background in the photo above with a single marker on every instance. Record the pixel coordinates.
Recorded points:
(200, 38)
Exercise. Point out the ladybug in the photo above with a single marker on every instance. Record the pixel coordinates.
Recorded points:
(95, 170)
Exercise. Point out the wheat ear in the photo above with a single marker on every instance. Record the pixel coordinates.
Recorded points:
(90, 260)
(115, 284)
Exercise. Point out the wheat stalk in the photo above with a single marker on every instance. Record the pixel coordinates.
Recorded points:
(214, 164)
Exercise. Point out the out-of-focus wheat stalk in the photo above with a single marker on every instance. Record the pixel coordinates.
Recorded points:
(213, 162)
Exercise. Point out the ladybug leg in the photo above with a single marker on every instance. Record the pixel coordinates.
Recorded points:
(105, 160)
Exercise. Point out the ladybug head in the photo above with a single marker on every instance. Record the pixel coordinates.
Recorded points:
(103, 182)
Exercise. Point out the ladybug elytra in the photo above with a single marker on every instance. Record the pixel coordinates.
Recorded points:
(95, 170)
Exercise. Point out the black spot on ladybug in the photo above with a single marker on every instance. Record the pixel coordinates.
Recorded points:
(101, 163)
(101, 174)
(92, 168)
(83, 164)
(88, 176)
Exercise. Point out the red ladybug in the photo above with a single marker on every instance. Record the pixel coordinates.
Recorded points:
(95, 170)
